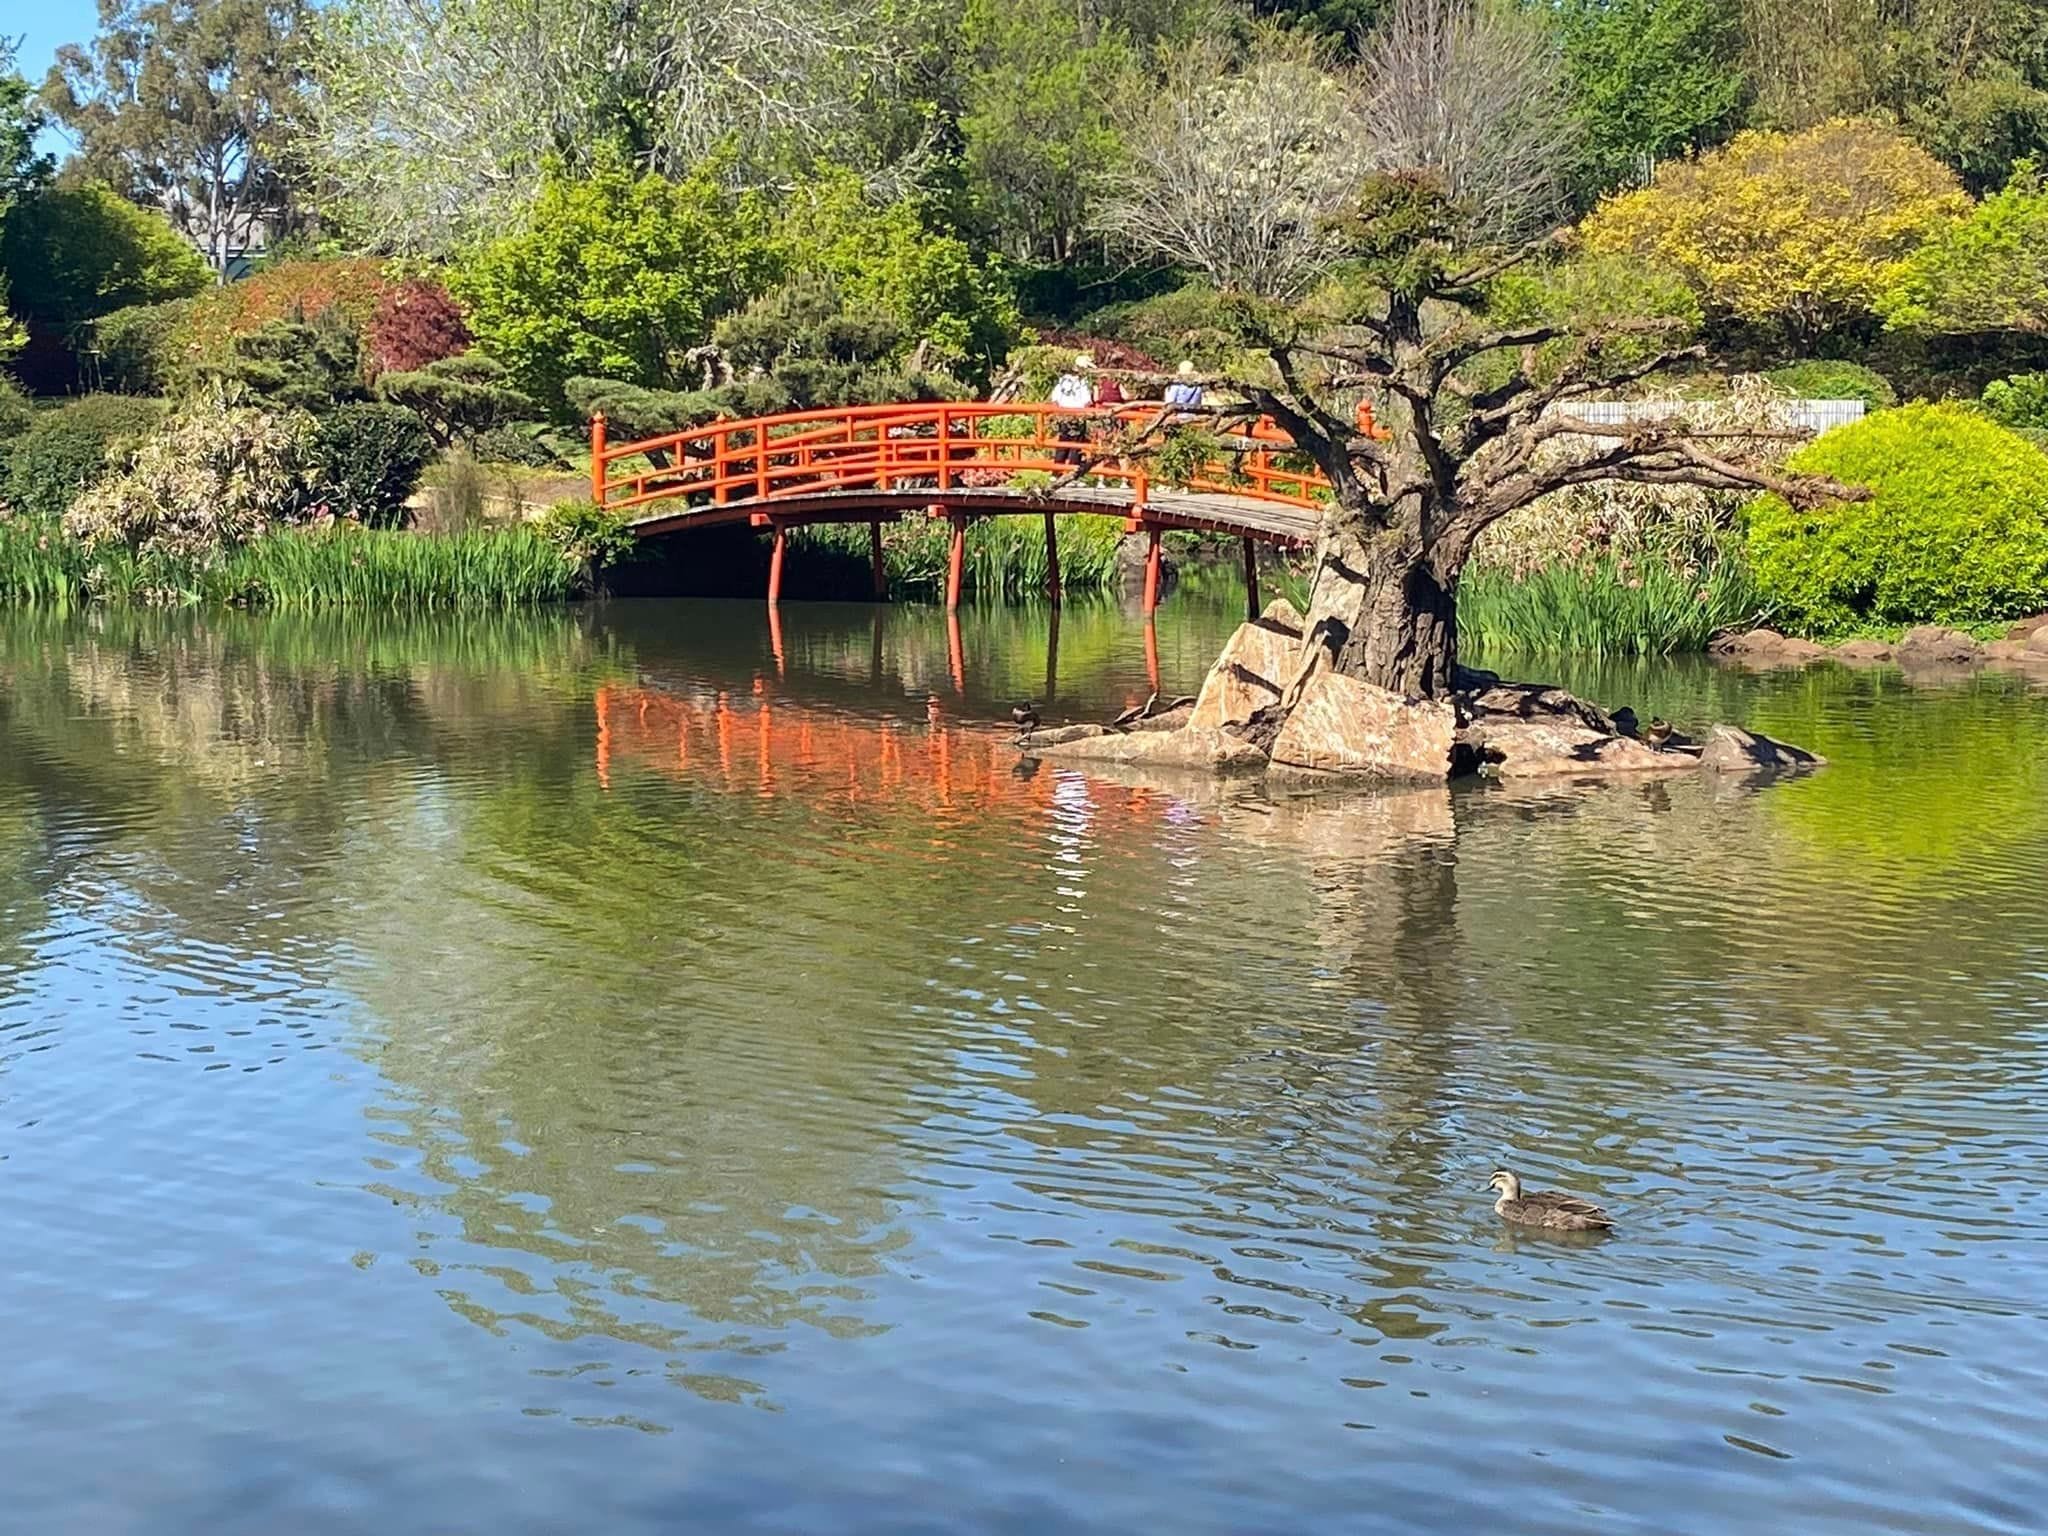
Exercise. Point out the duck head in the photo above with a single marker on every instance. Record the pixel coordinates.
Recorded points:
(1509, 1186)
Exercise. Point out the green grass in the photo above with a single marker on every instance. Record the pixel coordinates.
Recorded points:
(1603, 608)
(302, 570)
(40, 565)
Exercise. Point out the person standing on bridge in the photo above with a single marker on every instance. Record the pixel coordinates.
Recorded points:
(1184, 392)
(1073, 392)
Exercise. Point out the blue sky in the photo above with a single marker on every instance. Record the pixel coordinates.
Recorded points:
(44, 26)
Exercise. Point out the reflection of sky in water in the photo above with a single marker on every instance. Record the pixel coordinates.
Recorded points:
(892, 1142)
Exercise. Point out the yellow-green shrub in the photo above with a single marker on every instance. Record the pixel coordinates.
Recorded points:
(1955, 532)
(1800, 230)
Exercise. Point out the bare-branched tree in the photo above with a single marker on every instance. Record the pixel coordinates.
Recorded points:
(1341, 279)
(1474, 92)
(435, 115)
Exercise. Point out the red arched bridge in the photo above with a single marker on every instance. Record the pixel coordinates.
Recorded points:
(959, 460)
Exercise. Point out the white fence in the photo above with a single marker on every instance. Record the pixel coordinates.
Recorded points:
(1815, 416)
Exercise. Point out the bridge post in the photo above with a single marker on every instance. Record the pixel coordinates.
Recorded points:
(597, 457)
(1151, 570)
(775, 566)
(956, 562)
(1251, 578)
(1052, 562)
(875, 559)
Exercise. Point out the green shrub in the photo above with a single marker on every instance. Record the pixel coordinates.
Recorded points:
(370, 458)
(2019, 402)
(613, 273)
(459, 398)
(140, 350)
(211, 477)
(1956, 531)
(1186, 323)
(591, 538)
(518, 442)
(17, 415)
(1828, 379)
(66, 451)
(306, 365)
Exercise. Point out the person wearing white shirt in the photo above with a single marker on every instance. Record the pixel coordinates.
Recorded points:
(1073, 393)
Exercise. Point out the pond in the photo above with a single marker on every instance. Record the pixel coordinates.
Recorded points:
(632, 1070)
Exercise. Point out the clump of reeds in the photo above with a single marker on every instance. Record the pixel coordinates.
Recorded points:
(1609, 606)
(300, 570)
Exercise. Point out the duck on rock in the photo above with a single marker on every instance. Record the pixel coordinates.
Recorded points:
(1549, 1208)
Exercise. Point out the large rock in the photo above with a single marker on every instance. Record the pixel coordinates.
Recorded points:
(1933, 645)
(2027, 628)
(1209, 750)
(1863, 650)
(1342, 725)
(1732, 750)
(1767, 647)
(1259, 661)
(2037, 641)
(1556, 746)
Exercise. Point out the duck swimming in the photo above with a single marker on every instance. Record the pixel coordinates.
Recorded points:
(1549, 1208)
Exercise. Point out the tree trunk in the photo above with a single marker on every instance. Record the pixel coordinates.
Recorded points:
(1383, 614)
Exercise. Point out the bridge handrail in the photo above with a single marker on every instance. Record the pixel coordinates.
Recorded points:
(914, 446)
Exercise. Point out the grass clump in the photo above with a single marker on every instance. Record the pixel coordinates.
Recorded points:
(1604, 607)
(1004, 556)
(310, 570)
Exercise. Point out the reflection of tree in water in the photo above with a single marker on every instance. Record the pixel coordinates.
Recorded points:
(220, 762)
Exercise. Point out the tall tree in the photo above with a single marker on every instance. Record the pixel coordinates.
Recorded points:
(1344, 269)
(190, 105)
(1967, 78)
(1650, 79)
(437, 116)
(1035, 127)
(22, 170)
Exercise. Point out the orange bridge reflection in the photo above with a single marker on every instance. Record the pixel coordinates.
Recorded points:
(761, 744)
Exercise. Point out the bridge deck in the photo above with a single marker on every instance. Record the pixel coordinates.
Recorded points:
(1272, 522)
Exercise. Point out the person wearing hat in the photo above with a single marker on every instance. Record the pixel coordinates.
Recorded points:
(1184, 391)
(1073, 393)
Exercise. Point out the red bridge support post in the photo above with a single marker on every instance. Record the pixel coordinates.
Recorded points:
(1151, 570)
(1251, 579)
(875, 557)
(597, 458)
(775, 567)
(956, 562)
(1052, 562)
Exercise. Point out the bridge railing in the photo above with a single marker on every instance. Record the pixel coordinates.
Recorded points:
(943, 447)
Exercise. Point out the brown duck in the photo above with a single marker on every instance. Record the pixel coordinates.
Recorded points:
(1545, 1207)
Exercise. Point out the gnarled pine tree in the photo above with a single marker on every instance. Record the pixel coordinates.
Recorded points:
(1353, 260)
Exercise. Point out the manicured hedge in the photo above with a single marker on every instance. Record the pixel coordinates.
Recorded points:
(1955, 532)
(65, 451)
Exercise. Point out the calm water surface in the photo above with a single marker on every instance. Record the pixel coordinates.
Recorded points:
(631, 1071)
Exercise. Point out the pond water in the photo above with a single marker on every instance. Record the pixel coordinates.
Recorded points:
(631, 1070)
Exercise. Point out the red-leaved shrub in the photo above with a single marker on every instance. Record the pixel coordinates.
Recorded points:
(415, 323)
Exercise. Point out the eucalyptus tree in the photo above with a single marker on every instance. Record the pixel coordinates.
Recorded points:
(191, 106)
